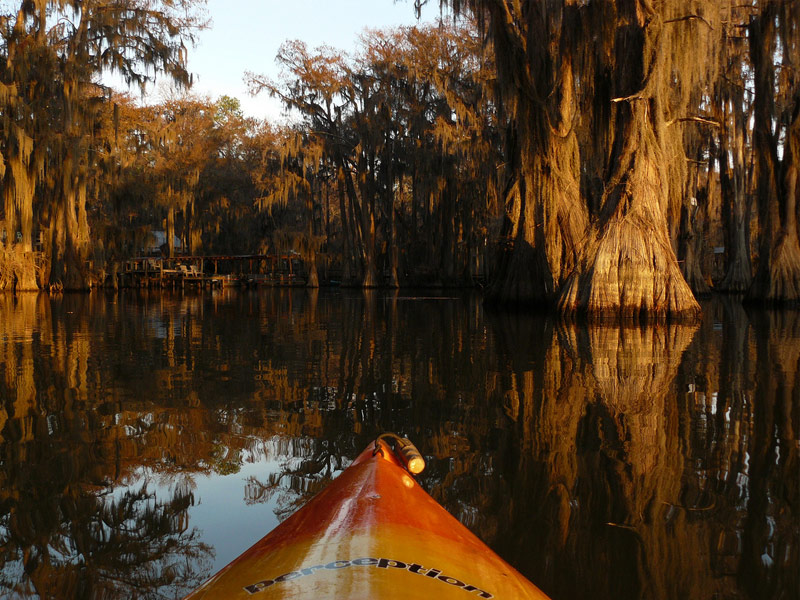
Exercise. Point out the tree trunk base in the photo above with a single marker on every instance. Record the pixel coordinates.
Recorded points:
(313, 277)
(739, 273)
(76, 282)
(627, 272)
(778, 282)
(520, 280)
(18, 270)
(370, 279)
(697, 283)
(738, 278)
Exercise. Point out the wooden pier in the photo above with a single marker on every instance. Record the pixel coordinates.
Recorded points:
(249, 270)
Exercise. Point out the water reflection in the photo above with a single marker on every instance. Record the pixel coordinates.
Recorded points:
(633, 462)
(76, 517)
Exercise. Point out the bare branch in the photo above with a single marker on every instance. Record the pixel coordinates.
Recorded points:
(690, 18)
(703, 120)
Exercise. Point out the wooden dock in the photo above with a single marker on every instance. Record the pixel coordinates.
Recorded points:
(182, 271)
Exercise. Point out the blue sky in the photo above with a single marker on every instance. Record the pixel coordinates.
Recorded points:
(245, 36)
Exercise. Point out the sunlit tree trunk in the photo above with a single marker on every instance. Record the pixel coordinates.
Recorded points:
(357, 217)
(369, 277)
(633, 79)
(546, 218)
(22, 145)
(18, 268)
(370, 272)
(169, 231)
(193, 228)
(71, 240)
(628, 267)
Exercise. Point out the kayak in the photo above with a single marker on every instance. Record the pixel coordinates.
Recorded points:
(372, 534)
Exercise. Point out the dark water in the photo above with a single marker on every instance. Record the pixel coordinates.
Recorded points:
(145, 440)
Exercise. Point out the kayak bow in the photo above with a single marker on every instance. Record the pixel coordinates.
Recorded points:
(372, 534)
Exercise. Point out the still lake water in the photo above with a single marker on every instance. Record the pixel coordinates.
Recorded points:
(147, 438)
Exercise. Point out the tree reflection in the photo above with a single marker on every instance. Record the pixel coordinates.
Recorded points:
(771, 536)
(686, 491)
(100, 544)
(593, 453)
(630, 462)
(74, 522)
(305, 470)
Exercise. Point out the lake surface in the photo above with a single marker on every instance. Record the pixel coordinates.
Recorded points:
(147, 438)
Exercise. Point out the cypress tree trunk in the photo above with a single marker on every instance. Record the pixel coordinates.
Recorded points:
(169, 231)
(355, 215)
(738, 275)
(19, 181)
(777, 280)
(732, 109)
(347, 236)
(22, 145)
(369, 277)
(691, 241)
(193, 229)
(628, 267)
(18, 267)
(71, 230)
(313, 276)
(733, 186)
(394, 279)
(545, 216)
(636, 78)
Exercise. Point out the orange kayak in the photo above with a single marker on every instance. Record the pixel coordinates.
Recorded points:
(372, 534)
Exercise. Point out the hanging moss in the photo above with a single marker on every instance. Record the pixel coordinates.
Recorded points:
(52, 54)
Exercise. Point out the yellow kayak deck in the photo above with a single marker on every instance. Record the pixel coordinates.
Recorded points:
(372, 534)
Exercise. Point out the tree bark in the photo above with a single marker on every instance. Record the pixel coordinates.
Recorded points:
(394, 279)
(347, 235)
(369, 274)
(628, 267)
(778, 278)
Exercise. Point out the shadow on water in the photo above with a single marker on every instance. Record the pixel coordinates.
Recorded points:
(641, 462)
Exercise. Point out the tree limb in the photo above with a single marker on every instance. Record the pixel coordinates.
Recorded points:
(690, 18)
